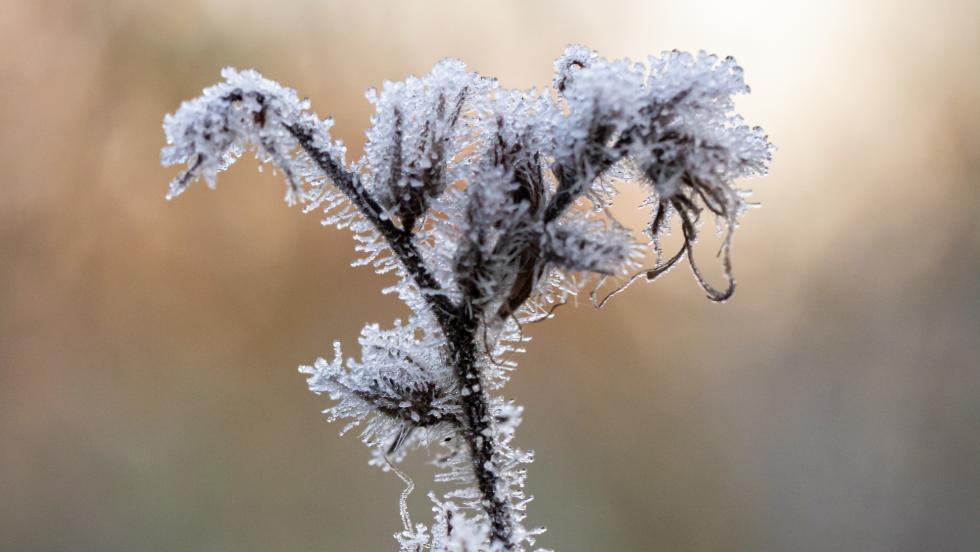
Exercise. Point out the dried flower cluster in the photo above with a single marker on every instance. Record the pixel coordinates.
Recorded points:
(490, 206)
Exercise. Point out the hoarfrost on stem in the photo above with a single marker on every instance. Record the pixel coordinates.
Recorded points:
(490, 207)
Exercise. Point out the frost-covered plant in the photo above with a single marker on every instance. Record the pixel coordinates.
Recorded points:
(490, 206)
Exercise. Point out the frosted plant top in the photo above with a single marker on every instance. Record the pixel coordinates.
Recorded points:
(489, 205)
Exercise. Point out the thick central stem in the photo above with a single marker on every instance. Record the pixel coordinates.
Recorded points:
(478, 430)
(458, 324)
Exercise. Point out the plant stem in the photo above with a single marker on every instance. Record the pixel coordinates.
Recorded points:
(458, 324)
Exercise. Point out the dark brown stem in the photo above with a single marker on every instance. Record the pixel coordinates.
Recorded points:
(458, 324)
(478, 425)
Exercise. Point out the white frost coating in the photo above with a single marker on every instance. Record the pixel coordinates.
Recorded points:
(246, 111)
(697, 92)
(590, 245)
(400, 389)
(414, 133)
(678, 110)
(488, 206)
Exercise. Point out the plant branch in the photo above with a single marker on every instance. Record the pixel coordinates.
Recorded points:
(458, 323)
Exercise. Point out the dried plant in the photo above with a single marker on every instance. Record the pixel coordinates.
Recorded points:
(490, 206)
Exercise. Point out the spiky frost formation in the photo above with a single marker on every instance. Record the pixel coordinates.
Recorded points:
(489, 206)
(246, 111)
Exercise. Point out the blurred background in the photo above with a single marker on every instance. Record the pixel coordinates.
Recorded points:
(148, 392)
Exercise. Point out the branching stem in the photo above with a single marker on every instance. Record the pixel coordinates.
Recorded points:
(458, 324)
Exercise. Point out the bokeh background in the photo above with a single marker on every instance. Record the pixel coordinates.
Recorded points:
(148, 392)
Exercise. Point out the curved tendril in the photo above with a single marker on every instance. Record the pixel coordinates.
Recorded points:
(403, 499)
(548, 314)
(650, 273)
(690, 236)
(594, 293)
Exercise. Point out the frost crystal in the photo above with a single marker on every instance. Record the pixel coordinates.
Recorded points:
(489, 206)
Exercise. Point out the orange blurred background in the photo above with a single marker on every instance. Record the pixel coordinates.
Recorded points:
(148, 392)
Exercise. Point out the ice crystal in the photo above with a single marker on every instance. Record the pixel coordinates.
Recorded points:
(489, 206)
